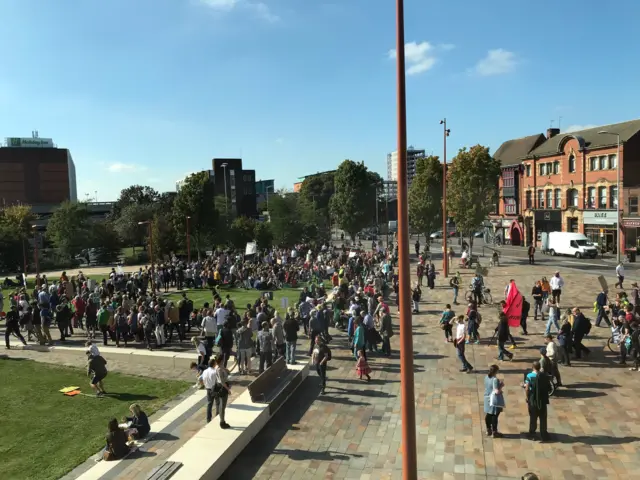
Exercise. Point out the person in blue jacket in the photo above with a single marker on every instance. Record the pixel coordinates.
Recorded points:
(358, 338)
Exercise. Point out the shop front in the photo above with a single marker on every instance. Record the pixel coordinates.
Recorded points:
(600, 228)
(631, 233)
(547, 221)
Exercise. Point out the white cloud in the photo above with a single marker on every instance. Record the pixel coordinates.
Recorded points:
(576, 128)
(497, 62)
(259, 9)
(420, 57)
(124, 167)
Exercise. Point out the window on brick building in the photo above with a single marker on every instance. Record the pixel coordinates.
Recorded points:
(613, 191)
(508, 178)
(510, 206)
(556, 167)
(602, 197)
(549, 198)
(591, 199)
(540, 198)
(613, 161)
(572, 164)
(528, 169)
(633, 205)
(593, 164)
(572, 197)
(558, 200)
(528, 199)
(604, 162)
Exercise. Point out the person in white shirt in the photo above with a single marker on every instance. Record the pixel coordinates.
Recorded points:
(552, 353)
(92, 348)
(459, 343)
(216, 382)
(620, 275)
(556, 283)
(209, 328)
(221, 316)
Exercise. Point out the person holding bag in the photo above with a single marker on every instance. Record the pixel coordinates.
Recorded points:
(493, 401)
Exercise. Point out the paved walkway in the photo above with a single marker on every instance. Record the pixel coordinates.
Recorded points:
(354, 431)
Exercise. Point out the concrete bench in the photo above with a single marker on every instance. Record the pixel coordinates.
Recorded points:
(208, 454)
(270, 383)
(104, 467)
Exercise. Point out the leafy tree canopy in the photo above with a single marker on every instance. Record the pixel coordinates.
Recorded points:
(196, 199)
(242, 230)
(127, 223)
(471, 187)
(353, 205)
(69, 229)
(135, 194)
(425, 196)
(19, 218)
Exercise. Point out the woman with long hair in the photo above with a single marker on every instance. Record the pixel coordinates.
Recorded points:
(493, 401)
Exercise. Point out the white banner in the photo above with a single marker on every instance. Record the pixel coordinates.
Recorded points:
(252, 248)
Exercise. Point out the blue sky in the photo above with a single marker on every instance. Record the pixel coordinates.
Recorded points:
(146, 91)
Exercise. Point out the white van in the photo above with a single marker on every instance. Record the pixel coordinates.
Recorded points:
(574, 244)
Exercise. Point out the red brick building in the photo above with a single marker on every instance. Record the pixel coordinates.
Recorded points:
(568, 182)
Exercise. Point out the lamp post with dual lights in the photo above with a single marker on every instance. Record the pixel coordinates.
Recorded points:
(152, 274)
(618, 204)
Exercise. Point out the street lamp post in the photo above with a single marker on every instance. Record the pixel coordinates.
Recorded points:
(35, 254)
(153, 280)
(407, 397)
(188, 241)
(445, 231)
(618, 203)
(224, 175)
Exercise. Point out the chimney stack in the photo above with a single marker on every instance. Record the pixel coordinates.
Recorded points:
(552, 132)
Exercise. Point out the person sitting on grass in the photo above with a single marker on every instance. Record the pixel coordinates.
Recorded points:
(139, 423)
(97, 370)
(116, 447)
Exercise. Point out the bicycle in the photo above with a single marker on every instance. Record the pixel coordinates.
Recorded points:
(485, 296)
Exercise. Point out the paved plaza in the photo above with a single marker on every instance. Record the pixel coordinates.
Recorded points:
(354, 431)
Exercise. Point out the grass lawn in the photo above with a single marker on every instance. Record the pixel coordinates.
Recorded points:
(44, 434)
(240, 297)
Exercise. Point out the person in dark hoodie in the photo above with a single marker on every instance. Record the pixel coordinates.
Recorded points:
(291, 328)
(503, 334)
(537, 390)
(97, 370)
(581, 328)
(226, 342)
(602, 301)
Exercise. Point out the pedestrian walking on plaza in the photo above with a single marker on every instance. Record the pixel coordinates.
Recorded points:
(554, 315)
(459, 343)
(215, 381)
(536, 293)
(602, 303)
(362, 367)
(581, 328)
(531, 253)
(620, 275)
(266, 344)
(526, 307)
(13, 326)
(321, 355)
(291, 328)
(493, 401)
(446, 323)
(564, 340)
(455, 285)
(537, 391)
(386, 332)
(556, 283)
(503, 334)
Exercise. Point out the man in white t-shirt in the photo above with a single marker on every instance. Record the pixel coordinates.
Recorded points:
(210, 329)
(221, 315)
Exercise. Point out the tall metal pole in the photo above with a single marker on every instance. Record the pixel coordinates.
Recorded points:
(153, 274)
(445, 230)
(188, 241)
(618, 226)
(407, 405)
(35, 257)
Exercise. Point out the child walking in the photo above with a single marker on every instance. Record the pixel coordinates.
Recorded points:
(362, 367)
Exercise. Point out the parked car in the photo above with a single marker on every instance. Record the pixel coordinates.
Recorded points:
(435, 235)
(478, 234)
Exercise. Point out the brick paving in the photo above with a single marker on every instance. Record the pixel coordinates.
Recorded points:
(354, 431)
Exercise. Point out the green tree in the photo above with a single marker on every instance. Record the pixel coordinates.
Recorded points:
(127, 226)
(165, 239)
(472, 184)
(242, 231)
(316, 193)
(196, 200)
(15, 231)
(425, 196)
(11, 246)
(353, 205)
(106, 242)
(135, 195)
(263, 235)
(69, 229)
